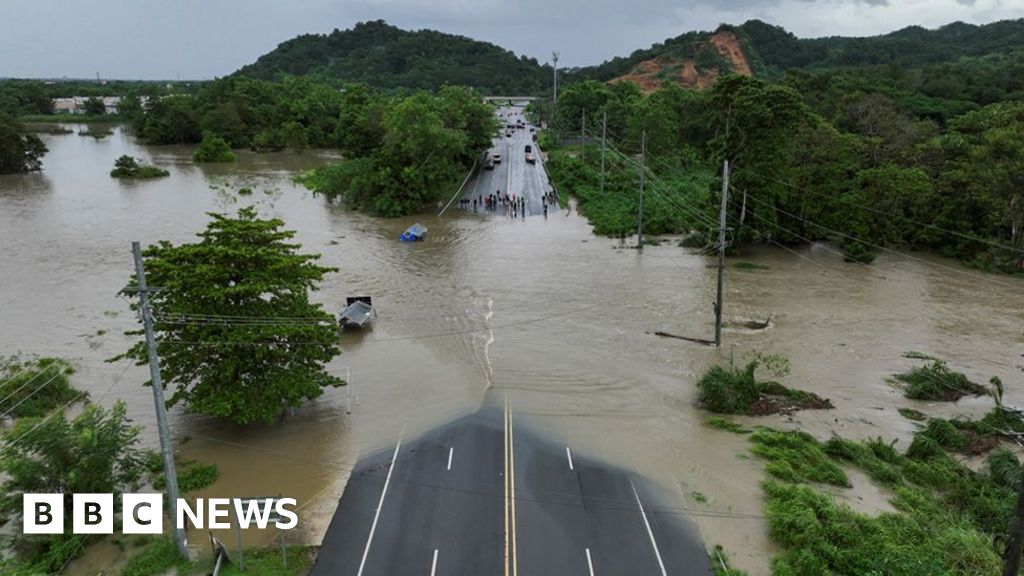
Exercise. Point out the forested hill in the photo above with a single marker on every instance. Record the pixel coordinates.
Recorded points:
(389, 58)
(767, 50)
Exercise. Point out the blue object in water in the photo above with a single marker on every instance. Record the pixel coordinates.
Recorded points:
(413, 233)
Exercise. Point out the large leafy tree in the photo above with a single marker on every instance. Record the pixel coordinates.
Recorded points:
(19, 152)
(238, 335)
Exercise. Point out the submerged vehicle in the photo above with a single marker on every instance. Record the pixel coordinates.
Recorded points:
(413, 233)
(357, 313)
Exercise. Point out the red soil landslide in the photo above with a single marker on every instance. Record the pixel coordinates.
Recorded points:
(648, 75)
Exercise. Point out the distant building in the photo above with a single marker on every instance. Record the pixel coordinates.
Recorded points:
(76, 104)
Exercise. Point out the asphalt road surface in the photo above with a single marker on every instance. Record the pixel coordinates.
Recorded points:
(483, 497)
(513, 174)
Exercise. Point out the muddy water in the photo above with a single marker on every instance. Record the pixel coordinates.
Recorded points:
(540, 308)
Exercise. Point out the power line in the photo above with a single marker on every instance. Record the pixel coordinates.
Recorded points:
(26, 383)
(30, 395)
(891, 215)
(879, 247)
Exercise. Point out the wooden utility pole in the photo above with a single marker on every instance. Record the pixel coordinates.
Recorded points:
(604, 138)
(721, 254)
(158, 399)
(643, 168)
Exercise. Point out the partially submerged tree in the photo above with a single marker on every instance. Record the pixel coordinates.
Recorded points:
(19, 151)
(238, 335)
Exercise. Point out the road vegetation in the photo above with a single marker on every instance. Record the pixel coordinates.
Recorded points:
(238, 335)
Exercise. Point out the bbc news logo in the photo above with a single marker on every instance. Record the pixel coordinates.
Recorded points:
(143, 513)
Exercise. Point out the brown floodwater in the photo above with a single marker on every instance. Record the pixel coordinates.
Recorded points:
(541, 308)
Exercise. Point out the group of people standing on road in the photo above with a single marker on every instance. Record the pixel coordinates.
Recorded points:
(513, 205)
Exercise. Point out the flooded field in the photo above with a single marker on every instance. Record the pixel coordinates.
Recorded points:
(561, 320)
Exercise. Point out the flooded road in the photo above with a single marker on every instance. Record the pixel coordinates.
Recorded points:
(540, 308)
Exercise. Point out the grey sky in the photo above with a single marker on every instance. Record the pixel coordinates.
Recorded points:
(205, 38)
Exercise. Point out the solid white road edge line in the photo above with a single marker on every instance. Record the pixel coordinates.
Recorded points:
(649, 531)
(380, 505)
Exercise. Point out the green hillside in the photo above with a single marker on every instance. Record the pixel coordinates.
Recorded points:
(387, 57)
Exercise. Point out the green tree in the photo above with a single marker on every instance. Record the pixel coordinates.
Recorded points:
(94, 107)
(361, 120)
(95, 452)
(129, 107)
(250, 368)
(213, 149)
(125, 166)
(19, 152)
(170, 120)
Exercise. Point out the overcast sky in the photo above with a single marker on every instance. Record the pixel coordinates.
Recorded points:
(199, 39)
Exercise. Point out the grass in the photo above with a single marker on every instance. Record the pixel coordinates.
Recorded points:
(160, 557)
(796, 457)
(727, 425)
(720, 563)
(824, 537)
(911, 414)
(949, 520)
(734, 390)
(935, 381)
(192, 475)
(699, 497)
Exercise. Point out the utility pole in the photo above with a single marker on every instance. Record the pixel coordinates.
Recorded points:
(583, 135)
(604, 137)
(554, 98)
(643, 168)
(158, 399)
(721, 254)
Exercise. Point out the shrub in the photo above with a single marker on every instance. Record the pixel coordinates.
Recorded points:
(213, 149)
(735, 390)
(728, 390)
(36, 386)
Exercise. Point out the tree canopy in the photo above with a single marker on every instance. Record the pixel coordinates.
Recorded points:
(19, 151)
(238, 336)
